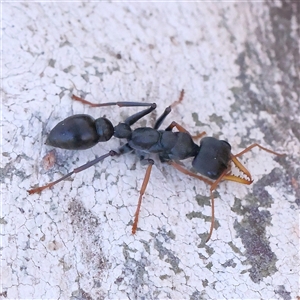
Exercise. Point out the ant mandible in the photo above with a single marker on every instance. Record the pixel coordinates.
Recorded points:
(212, 158)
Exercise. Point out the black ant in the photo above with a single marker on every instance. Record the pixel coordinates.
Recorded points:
(211, 159)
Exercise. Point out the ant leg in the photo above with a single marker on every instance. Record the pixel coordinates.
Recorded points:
(179, 100)
(182, 129)
(168, 110)
(134, 118)
(130, 120)
(242, 168)
(120, 103)
(198, 135)
(189, 173)
(259, 146)
(179, 127)
(162, 117)
(212, 222)
(212, 188)
(77, 170)
(142, 191)
(227, 176)
(175, 124)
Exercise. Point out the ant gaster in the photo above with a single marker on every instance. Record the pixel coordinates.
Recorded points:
(212, 158)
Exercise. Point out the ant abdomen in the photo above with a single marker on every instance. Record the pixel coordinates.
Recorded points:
(80, 132)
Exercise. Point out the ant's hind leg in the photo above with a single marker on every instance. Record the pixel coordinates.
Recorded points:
(39, 189)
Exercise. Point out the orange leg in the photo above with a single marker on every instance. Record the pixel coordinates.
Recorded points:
(179, 100)
(227, 176)
(144, 186)
(212, 188)
(213, 185)
(259, 146)
(224, 176)
(182, 129)
(199, 135)
(178, 126)
(76, 98)
(189, 173)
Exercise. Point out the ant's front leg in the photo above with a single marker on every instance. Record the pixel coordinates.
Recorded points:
(213, 185)
(259, 146)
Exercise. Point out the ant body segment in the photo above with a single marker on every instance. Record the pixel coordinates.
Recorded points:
(212, 158)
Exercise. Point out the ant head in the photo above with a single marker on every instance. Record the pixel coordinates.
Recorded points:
(213, 157)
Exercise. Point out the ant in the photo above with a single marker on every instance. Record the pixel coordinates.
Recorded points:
(212, 158)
